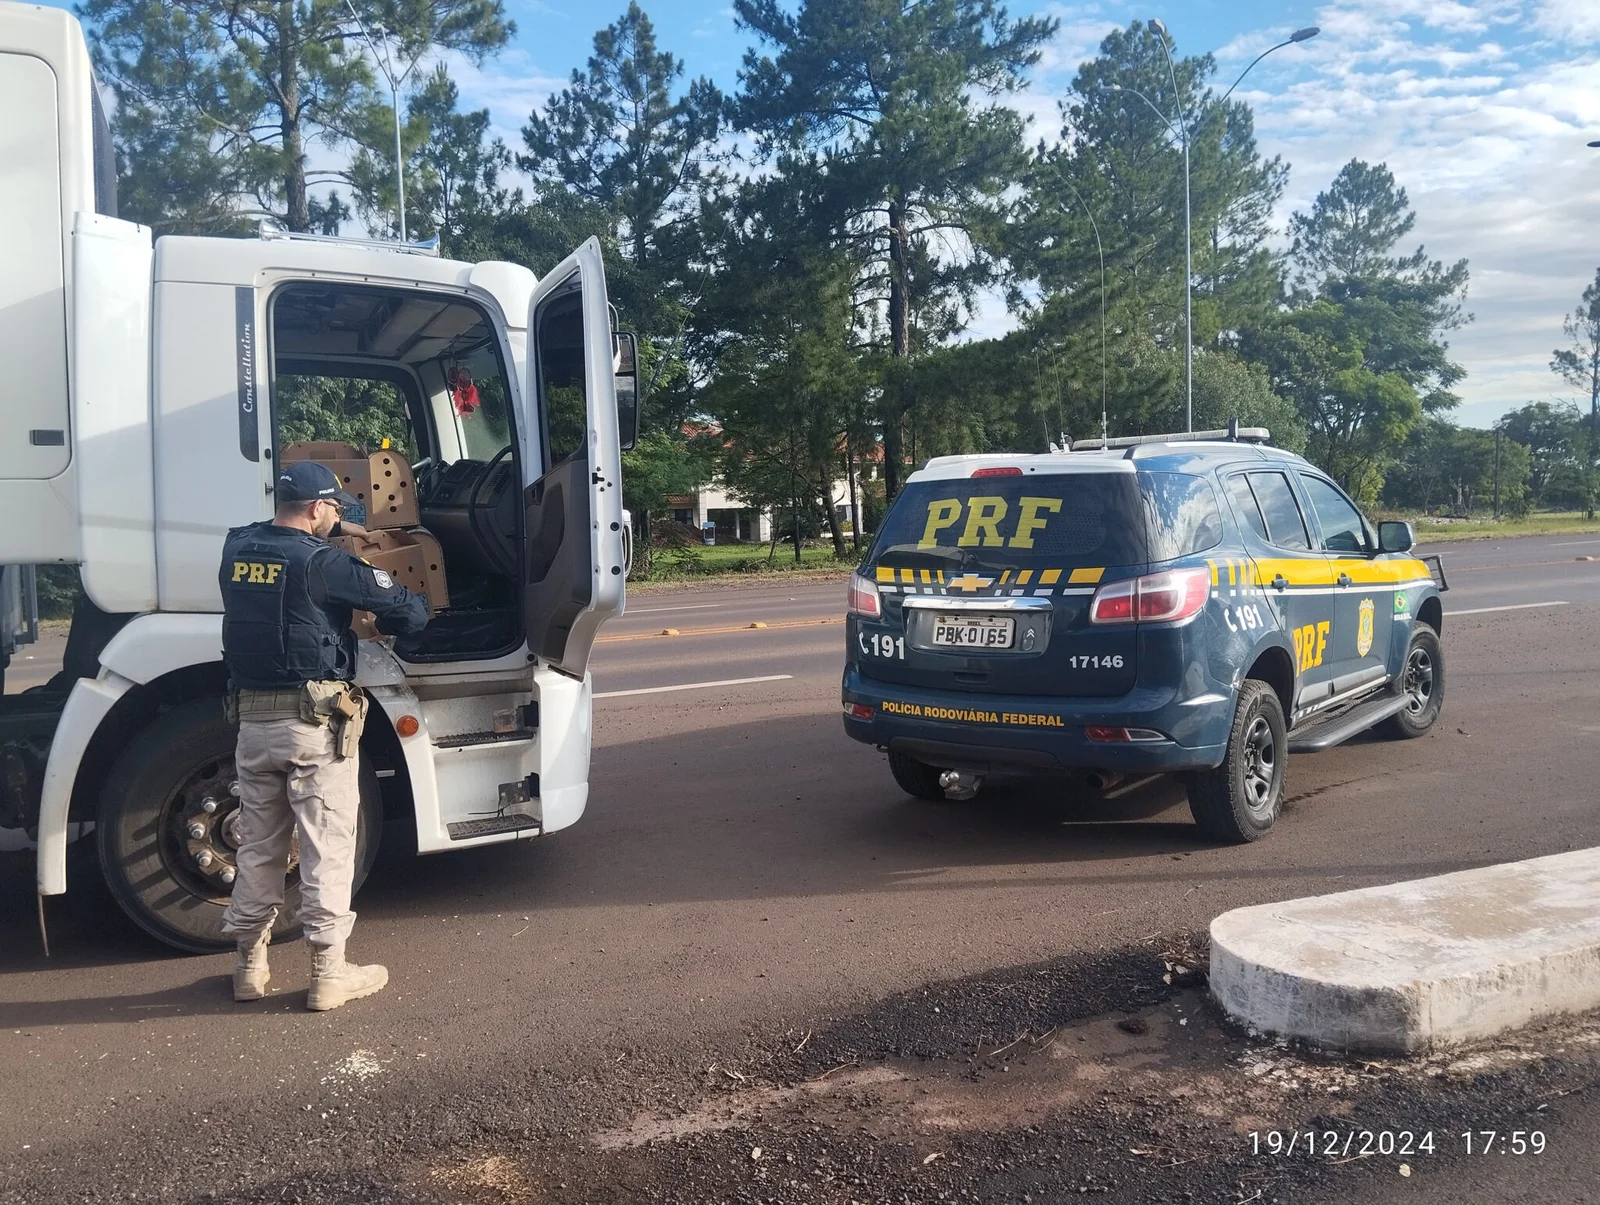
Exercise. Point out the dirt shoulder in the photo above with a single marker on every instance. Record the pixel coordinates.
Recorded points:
(1106, 1074)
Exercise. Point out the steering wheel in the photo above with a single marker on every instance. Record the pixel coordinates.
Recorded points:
(491, 548)
(426, 473)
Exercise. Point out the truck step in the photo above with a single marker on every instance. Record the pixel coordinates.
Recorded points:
(1336, 729)
(463, 740)
(465, 830)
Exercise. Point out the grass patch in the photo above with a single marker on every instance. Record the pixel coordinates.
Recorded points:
(725, 560)
(1480, 527)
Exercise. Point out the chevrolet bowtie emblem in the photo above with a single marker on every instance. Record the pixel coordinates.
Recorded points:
(970, 581)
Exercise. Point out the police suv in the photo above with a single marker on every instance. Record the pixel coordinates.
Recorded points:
(1201, 604)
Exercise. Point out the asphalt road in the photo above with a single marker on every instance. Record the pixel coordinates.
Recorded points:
(743, 872)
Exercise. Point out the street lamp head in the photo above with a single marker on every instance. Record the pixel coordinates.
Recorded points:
(1160, 27)
(1595, 144)
(1306, 34)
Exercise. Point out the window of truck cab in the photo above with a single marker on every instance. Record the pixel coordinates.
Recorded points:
(425, 369)
(423, 374)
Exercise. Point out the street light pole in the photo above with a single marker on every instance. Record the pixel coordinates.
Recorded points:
(385, 63)
(1188, 233)
(1299, 35)
(1105, 425)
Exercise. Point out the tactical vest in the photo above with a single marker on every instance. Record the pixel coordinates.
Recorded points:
(274, 633)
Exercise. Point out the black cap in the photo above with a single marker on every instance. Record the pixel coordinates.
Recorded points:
(307, 481)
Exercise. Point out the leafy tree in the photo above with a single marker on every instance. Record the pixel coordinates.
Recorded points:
(1579, 365)
(1549, 430)
(1227, 387)
(220, 101)
(661, 465)
(1443, 465)
(878, 116)
(344, 409)
(1356, 414)
(785, 394)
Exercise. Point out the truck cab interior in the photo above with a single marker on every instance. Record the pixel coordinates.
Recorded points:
(423, 375)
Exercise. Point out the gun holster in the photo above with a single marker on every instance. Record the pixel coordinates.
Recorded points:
(340, 706)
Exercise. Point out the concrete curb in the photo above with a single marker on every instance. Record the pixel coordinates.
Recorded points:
(1416, 966)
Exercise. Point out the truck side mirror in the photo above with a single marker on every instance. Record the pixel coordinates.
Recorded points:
(625, 367)
(1395, 536)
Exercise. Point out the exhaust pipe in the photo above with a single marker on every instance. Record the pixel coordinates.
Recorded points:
(1103, 780)
(960, 785)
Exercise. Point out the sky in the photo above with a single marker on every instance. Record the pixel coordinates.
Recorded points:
(1481, 108)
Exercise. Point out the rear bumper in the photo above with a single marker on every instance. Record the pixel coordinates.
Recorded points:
(987, 733)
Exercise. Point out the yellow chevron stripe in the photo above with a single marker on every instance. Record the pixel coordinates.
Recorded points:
(1024, 577)
(885, 575)
(1086, 577)
(1049, 577)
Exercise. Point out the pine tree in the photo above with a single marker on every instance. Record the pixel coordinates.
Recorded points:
(879, 116)
(627, 143)
(219, 102)
(1579, 364)
(1114, 182)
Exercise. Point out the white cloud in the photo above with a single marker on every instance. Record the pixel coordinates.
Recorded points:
(1485, 127)
(1575, 20)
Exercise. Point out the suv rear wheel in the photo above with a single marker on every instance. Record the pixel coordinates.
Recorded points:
(1241, 798)
(915, 777)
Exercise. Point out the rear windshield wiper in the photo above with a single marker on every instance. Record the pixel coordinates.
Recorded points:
(945, 554)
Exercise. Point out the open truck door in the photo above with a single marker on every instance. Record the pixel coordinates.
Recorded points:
(574, 560)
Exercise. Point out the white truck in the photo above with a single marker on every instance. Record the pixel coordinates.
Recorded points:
(154, 388)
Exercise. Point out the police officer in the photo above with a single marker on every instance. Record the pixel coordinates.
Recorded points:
(287, 598)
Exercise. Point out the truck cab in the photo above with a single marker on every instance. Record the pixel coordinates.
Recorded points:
(479, 411)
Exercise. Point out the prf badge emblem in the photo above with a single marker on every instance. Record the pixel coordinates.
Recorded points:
(1364, 629)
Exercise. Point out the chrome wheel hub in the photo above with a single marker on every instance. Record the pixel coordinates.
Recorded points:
(1418, 681)
(1260, 767)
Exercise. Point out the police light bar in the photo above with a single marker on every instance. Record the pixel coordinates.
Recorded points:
(1247, 435)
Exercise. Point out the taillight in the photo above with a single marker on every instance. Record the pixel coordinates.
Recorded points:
(1155, 598)
(1115, 603)
(864, 599)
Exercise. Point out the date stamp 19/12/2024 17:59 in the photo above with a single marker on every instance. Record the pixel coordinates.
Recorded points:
(1359, 1144)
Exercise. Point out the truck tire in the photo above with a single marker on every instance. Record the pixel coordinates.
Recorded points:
(1422, 683)
(155, 789)
(1241, 799)
(916, 778)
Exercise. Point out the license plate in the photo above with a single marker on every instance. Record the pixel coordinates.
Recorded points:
(974, 631)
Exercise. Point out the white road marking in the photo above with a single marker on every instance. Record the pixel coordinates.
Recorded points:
(1572, 543)
(1511, 607)
(685, 607)
(661, 690)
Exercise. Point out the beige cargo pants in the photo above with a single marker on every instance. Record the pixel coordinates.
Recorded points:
(287, 775)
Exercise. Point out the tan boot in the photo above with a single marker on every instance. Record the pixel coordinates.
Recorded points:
(333, 980)
(250, 973)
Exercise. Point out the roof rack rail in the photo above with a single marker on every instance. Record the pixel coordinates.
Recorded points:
(1234, 434)
(267, 230)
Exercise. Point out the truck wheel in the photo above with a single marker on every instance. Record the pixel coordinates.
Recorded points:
(916, 778)
(1241, 798)
(1422, 684)
(172, 883)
